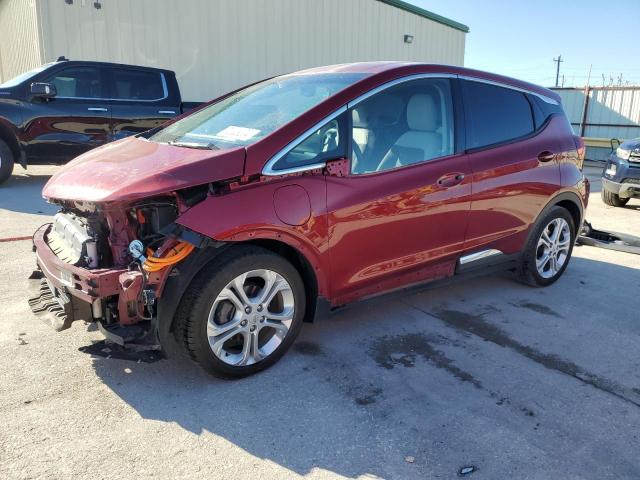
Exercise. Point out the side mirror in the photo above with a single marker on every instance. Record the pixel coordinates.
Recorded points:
(43, 90)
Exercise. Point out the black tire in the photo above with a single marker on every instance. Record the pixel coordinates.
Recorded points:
(6, 161)
(612, 199)
(527, 269)
(193, 312)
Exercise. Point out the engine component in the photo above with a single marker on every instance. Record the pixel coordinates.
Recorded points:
(136, 248)
(177, 253)
(77, 240)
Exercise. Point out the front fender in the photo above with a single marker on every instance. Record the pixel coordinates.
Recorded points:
(255, 213)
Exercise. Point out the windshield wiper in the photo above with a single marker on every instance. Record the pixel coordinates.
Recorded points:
(201, 146)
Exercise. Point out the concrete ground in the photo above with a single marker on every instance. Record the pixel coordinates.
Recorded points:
(485, 373)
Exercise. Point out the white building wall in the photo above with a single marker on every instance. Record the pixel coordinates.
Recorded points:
(19, 39)
(218, 45)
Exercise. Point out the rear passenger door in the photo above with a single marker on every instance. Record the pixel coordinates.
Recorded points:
(513, 164)
(140, 100)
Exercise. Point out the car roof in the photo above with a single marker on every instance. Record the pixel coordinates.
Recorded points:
(107, 64)
(371, 69)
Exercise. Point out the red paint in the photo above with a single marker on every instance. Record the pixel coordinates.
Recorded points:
(291, 204)
(511, 186)
(135, 168)
(390, 226)
(362, 234)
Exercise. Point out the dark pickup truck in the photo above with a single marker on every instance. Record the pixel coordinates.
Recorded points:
(62, 109)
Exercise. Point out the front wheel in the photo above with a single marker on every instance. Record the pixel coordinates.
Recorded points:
(549, 248)
(242, 312)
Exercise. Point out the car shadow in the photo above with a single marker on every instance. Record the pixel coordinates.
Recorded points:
(23, 193)
(352, 399)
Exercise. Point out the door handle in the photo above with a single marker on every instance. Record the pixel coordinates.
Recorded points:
(450, 179)
(546, 156)
(98, 109)
(167, 112)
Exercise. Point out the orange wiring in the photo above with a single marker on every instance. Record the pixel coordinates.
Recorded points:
(179, 252)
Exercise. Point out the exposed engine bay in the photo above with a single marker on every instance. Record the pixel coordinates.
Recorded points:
(108, 263)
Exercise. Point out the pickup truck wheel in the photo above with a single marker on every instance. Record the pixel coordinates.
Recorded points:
(548, 250)
(6, 161)
(613, 199)
(242, 312)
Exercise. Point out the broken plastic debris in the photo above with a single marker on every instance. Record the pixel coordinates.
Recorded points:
(467, 470)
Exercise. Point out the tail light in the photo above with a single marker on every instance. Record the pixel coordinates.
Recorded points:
(581, 149)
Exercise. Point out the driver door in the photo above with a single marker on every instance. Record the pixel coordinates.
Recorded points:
(399, 216)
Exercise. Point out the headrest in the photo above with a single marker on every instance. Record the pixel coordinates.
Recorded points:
(422, 114)
(379, 110)
(359, 117)
(388, 108)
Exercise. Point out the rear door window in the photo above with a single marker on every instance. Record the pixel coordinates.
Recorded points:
(78, 82)
(129, 84)
(495, 114)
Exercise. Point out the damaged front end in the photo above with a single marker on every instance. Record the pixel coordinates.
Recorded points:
(108, 263)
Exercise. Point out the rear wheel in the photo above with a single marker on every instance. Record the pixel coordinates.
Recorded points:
(242, 313)
(613, 199)
(548, 249)
(6, 161)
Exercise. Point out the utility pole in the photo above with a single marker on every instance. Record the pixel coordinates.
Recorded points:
(558, 62)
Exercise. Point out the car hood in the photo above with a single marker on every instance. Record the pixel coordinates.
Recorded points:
(633, 145)
(135, 168)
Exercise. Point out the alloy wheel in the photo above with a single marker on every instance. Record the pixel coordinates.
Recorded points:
(553, 246)
(250, 317)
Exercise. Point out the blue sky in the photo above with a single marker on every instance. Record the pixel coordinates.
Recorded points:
(520, 38)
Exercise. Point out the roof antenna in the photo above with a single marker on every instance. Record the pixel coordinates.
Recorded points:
(62, 59)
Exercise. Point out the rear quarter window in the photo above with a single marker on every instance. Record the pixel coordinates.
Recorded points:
(543, 110)
(495, 114)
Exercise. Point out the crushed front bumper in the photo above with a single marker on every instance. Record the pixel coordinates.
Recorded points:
(62, 293)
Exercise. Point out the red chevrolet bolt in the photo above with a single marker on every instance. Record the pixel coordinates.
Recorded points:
(221, 233)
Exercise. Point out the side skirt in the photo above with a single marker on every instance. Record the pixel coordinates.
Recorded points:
(486, 261)
(477, 264)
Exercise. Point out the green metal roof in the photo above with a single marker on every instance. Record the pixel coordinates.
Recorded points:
(426, 14)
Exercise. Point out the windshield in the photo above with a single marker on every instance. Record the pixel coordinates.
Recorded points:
(254, 112)
(22, 77)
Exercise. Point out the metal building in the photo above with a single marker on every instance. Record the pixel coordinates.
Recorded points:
(218, 45)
